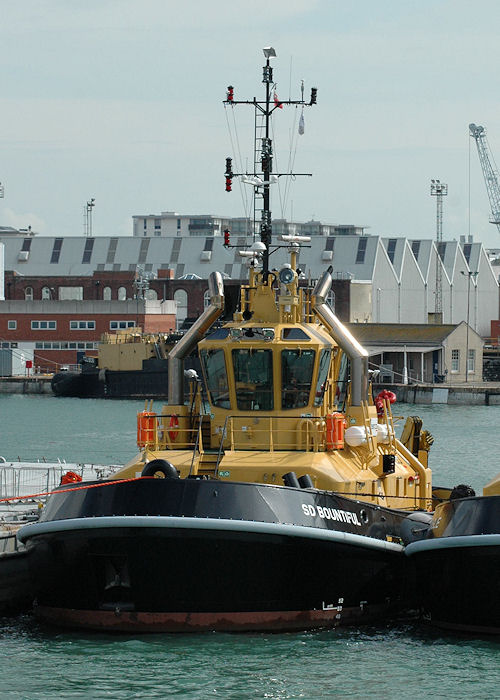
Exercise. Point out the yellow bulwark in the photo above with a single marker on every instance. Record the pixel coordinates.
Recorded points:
(281, 394)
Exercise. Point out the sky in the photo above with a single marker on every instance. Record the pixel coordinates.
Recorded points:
(122, 101)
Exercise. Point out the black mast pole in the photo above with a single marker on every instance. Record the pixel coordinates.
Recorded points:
(266, 152)
(267, 167)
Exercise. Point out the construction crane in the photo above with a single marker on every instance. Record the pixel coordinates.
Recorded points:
(490, 171)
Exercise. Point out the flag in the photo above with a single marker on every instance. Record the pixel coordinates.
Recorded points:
(276, 101)
(301, 124)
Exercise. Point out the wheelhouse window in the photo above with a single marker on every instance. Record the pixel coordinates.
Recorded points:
(324, 365)
(214, 369)
(296, 377)
(253, 376)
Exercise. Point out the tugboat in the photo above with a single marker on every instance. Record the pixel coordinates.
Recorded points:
(457, 563)
(130, 364)
(282, 501)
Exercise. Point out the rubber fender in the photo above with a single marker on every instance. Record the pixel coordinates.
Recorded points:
(160, 465)
(415, 526)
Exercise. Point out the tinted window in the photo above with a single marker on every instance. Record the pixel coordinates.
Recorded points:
(219, 334)
(296, 377)
(214, 368)
(324, 364)
(253, 375)
(294, 334)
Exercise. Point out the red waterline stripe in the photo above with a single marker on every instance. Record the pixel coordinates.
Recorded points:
(124, 621)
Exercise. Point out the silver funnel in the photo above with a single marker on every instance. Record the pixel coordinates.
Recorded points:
(354, 350)
(193, 335)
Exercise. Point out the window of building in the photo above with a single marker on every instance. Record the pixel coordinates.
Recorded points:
(471, 362)
(47, 293)
(82, 325)
(143, 251)
(43, 325)
(87, 253)
(12, 325)
(106, 294)
(28, 294)
(56, 250)
(415, 246)
(455, 360)
(360, 256)
(116, 325)
(69, 293)
(110, 257)
(391, 248)
(65, 345)
(122, 293)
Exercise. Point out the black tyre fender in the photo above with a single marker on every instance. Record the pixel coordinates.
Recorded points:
(160, 465)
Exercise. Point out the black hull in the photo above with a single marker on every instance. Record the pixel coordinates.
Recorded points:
(16, 584)
(458, 574)
(150, 382)
(190, 564)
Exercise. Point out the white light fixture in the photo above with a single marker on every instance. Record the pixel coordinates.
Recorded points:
(289, 238)
(269, 52)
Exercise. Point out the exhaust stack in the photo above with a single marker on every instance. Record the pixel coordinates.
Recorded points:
(354, 350)
(193, 335)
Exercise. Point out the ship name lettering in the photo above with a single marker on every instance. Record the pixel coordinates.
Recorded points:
(344, 516)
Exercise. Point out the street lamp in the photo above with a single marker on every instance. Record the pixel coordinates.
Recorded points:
(467, 274)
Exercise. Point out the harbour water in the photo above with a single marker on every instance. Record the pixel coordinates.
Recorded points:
(397, 661)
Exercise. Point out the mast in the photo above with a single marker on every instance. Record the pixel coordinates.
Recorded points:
(262, 185)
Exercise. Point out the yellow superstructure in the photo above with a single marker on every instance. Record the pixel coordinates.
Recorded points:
(287, 390)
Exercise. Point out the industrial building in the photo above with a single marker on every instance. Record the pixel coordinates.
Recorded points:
(377, 280)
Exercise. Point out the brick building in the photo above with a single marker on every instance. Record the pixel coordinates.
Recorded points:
(52, 333)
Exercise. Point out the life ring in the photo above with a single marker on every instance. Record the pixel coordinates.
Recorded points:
(173, 425)
(160, 465)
